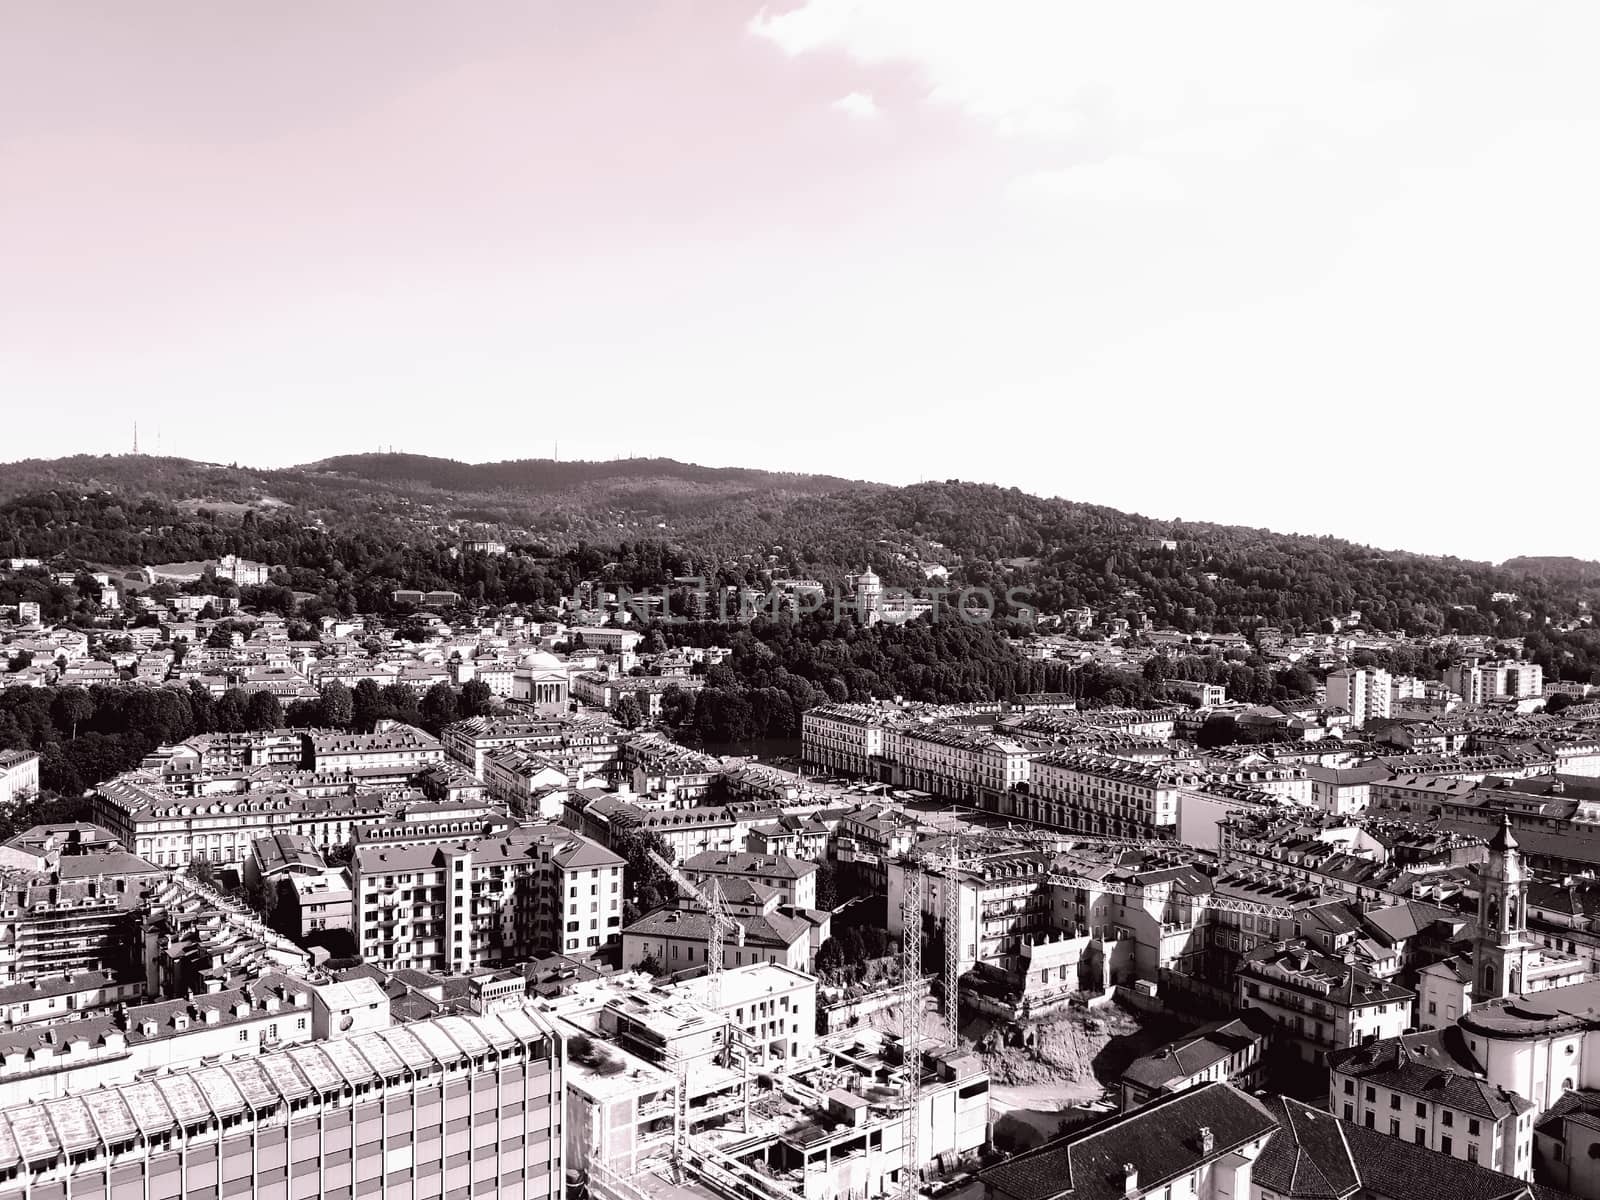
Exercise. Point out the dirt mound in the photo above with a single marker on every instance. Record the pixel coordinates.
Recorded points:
(1071, 1048)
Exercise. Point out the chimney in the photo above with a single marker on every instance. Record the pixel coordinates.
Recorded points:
(1130, 1179)
(1208, 1141)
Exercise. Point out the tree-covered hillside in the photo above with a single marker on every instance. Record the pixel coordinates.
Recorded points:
(350, 530)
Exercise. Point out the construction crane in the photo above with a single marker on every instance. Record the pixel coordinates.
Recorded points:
(722, 923)
(1111, 887)
(911, 1027)
(950, 861)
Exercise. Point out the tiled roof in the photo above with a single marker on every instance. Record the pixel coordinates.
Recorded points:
(1315, 1156)
(1433, 1065)
(1161, 1141)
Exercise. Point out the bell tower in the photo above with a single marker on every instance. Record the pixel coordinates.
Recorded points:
(1502, 949)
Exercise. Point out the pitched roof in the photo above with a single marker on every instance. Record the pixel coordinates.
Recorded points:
(1434, 1065)
(1315, 1156)
(1161, 1141)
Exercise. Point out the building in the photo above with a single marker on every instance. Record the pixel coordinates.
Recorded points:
(589, 741)
(1345, 790)
(678, 938)
(458, 906)
(1320, 1002)
(794, 879)
(775, 1006)
(175, 830)
(1363, 692)
(402, 749)
(604, 638)
(846, 738)
(1229, 1051)
(1317, 1157)
(1100, 794)
(19, 776)
(456, 1104)
(1478, 682)
(1428, 1088)
(1196, 1145)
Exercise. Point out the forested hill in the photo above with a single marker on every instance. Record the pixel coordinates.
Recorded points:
(366, 523)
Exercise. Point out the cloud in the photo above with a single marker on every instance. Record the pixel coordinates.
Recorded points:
(859, 106)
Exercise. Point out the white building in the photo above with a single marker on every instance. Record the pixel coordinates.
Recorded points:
(1363, 692)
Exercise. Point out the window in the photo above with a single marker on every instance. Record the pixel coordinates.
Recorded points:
(1372, 1095)
(1421, 1136)
(1447, 1118)
(1472, 1153)
(1444, 1144)
(1394, 1102)
(1472, 1127)
(244, 1035)
(1422, 1109)
(1394, 1127)
(1349, 1087)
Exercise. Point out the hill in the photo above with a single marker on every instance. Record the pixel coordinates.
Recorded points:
(356, 526)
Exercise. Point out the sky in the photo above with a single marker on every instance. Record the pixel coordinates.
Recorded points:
(1322, 268)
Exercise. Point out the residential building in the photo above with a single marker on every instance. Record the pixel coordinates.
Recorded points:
(1363, 692)
(678, 938)
(19, 776)
(1320, 1002)
(1430, 1089)
(457, 906)
(846, 738)
(1229, 1051)
(1196, 1145)
(1317, 1157)
(794, 879)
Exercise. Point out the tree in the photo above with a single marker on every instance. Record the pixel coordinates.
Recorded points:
(263, 711)
(827, 886)
(626, 711)
(476, 698)
(71, 706)
(650, 965)
(338, 706)
(438, 707)
(366, 706)
(201, 870)
(233, 711)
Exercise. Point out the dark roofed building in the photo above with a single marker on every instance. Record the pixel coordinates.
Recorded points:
(1207, 1138)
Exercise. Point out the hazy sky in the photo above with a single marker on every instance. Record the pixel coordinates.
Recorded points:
(1328, 268)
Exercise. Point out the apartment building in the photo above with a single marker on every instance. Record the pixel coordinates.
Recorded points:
(795, 880)
(174, 831)
(512, 896)
(591, 741)
(1229, 1051)
(19, 776)
(403, 749)
(1478, 682)
(1364, 692)
(1098, 794)
(679, 938)
(959, 762)
(845, 738)
(1430, 1089)
(1196, 1145)
(468, 1105)
(656, 766)
(1321, 1003)
(53, 927)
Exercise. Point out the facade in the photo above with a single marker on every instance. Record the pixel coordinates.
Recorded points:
(459, 906)
(1098, 794)
(1429, 1089)
(1321, 1003)
(794, 879)
(399, 748)
(845, 738)
(19, 775)
(1478, 682)
(456, 1104)
(174, 830)
(1363, 692)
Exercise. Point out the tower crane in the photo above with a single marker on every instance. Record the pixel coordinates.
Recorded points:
(722, 923)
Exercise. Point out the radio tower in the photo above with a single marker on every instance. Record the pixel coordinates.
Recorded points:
(136, 437)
